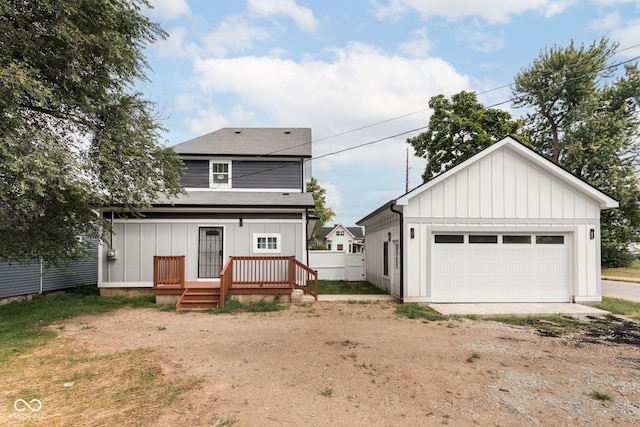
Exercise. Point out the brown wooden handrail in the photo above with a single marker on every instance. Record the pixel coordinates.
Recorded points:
(168, 271)
(226, 280)
(303, 275)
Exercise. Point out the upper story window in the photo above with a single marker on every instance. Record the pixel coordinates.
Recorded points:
(220, 174)
(340, 233)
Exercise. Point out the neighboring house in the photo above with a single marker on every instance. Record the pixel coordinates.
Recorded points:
(18, 281)
(245, 197)
(506, 225)
(343, 239)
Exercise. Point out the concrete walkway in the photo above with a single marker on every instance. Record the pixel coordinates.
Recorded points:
(519, 309)
(484, 309)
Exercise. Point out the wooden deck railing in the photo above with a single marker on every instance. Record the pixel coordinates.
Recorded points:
(168, 271)
(243, 273)
(267, 272)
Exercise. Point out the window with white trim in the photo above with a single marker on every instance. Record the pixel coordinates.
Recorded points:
(266, 243)
(220, 174)
(340, 233)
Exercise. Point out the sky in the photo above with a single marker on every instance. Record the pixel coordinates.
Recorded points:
(359, 73)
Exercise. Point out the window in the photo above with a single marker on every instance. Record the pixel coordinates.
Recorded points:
(340, 247)
(340, 233)
(449, 238)
(482, 238)
(266, 243)
(550, 240)
(397, 257)
(220, 174)
(507, 240)
(385, 258)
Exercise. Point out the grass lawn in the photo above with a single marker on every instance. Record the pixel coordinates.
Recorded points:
(343, 287)
(633, 271)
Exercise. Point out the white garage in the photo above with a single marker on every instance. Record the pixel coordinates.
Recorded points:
(507, 225)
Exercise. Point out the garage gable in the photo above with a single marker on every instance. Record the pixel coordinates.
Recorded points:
(506, 180)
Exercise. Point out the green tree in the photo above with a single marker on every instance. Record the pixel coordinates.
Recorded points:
(458, 129)
(583, 115)
(74, 134)
(323, 213)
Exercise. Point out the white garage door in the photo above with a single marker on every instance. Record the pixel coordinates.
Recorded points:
(500, 267)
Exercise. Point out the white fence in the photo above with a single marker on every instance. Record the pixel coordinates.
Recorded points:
(334, 265)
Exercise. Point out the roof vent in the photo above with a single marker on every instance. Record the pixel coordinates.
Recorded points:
(285, 194)
(238, 132)
(287, 132)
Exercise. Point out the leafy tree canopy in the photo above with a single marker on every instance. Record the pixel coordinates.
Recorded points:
(74, 135)
(458, 129)
(323, 213)
(583, 115)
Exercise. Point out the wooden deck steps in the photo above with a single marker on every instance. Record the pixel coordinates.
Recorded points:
(199, 299)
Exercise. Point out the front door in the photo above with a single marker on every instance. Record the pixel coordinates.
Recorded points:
(210, 252)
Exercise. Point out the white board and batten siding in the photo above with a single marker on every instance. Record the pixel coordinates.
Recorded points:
(138, 240)
(502, 192)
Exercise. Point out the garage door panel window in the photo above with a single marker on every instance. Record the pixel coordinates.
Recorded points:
(549, 240)
(514, 240)
(483, 238)
(449, 238)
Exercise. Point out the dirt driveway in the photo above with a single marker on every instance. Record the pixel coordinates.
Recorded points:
(341, 364)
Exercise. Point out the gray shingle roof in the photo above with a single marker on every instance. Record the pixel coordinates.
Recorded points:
(241, 199)
(250, 142)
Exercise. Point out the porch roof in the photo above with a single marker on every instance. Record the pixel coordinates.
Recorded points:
(237, 199)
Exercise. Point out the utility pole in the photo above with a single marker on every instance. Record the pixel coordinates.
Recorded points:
(406, 186)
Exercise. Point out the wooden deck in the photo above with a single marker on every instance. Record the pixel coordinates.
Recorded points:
(240, 276)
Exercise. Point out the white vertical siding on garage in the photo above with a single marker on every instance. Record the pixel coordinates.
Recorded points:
(377, 231)
(502, 185)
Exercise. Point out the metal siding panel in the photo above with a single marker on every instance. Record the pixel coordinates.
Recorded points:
(509, 170)
(437, 200)
(131, 254)
(149, 235)
(533, 192)
(497, 184)
(264, 174)
(485, 188)
(449, 197)
(521, 189)
(196, 174)
(474, 190)
(545, 196)
(16, 279)
(461, 195)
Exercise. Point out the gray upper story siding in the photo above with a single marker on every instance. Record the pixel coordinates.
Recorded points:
(196, 174)
(248, 174)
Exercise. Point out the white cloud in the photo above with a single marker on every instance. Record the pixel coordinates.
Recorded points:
(483, 41)
(419, 44)
(365, 84)
(234, 34)
(333, 197)
(627, 36)
(175, 45)
(608, 22)
(169, 9)
(492, 11)
(302, 16)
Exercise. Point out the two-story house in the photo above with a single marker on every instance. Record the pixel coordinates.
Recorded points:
(245, 196)
(343, 239)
